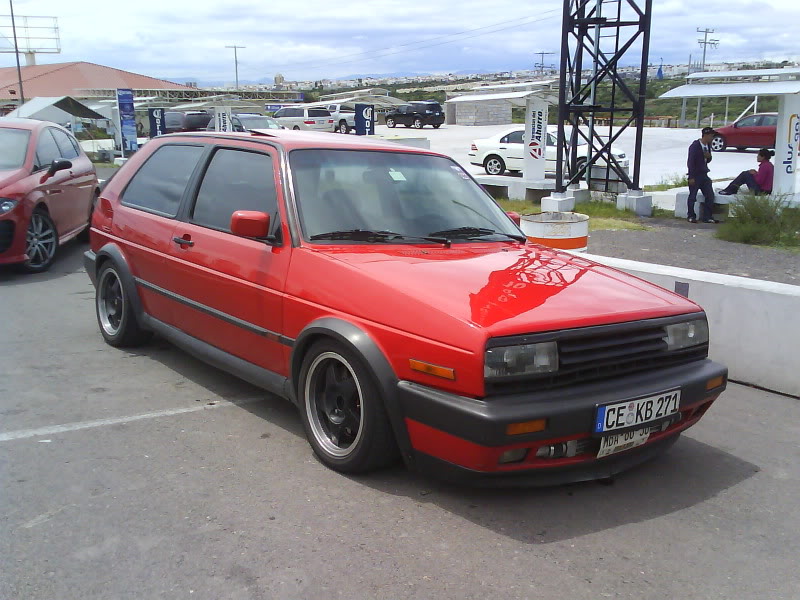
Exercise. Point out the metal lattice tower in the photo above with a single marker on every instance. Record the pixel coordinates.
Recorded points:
(596, 36)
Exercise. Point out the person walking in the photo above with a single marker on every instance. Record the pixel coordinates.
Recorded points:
(699, 157)
(758, 182)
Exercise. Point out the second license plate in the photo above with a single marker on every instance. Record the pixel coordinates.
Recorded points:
(617, 442)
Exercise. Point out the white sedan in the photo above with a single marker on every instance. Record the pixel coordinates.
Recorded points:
(505, 151)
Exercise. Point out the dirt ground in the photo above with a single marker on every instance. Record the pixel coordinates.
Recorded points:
(693, 246)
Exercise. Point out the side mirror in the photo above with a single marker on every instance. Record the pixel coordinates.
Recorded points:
(250, 224)
(515, 217)
(58, 165)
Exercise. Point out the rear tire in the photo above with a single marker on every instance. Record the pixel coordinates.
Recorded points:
(718, 144)
(295, 128)
(437, 126)
(418, 124)
(390, 122)
(342, 410)
(115, 315)
(343, 127)
(494, 165)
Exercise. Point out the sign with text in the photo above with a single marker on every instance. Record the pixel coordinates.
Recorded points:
(156, 118)
(534, 140)
(365, 119)
(127, 121)
(222, 114)
(787, 144)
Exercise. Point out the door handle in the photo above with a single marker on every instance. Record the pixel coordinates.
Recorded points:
(182, 241)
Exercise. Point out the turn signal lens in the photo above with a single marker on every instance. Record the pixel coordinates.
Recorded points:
(437, 371)
(526, 427)
(716, 382)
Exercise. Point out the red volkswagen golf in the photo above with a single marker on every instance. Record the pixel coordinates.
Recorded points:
(47, 186)
(381, 290)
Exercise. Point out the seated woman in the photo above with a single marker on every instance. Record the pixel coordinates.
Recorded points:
(759, 182)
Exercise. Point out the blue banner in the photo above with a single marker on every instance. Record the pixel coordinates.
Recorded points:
(127, 121)
(156, 116)
(365, 119)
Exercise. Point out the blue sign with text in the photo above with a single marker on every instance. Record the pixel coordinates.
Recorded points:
(365, 119)
(127, 121)
(156, 116)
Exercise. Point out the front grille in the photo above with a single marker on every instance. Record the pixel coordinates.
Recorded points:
(6, 235)
(597, 353)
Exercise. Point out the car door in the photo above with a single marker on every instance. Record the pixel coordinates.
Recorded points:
(229, 287)
(512, 150)
(746, 133)
(767, 129)
(59, 195)
(144, 220)
(80, 181)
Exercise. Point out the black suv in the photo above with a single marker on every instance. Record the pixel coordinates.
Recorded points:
(417, 114)
(175, 121)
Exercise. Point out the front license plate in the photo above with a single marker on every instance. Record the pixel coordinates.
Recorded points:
(617, 442)
(636, 412)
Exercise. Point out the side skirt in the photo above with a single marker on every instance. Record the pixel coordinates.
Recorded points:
(263, 378)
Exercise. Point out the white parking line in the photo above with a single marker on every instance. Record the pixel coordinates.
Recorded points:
(29, 433)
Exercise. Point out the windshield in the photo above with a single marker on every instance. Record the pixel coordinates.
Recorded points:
(259, 122)
(13, 147)
(407, 194)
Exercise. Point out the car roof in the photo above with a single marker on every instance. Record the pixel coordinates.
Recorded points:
(20, 123)
(291, 140)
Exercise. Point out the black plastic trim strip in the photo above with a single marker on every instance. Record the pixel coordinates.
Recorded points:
(223, 316)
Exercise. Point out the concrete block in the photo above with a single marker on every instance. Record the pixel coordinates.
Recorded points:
(640, 203)
(558, 202)
(682, 206)
(580, 194)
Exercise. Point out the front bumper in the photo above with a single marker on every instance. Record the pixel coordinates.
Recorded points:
(13, 229)
(463, 439)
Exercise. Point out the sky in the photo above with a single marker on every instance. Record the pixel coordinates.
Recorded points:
(185, 40)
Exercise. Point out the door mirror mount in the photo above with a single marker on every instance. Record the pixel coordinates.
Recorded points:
(56, 166)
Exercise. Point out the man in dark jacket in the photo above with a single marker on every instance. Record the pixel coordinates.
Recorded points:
(699, 157)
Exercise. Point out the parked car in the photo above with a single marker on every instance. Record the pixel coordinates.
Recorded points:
(47, 189)
(416, 114)
(506, 151)
(176, 121)
(248, 121)
(299, 117)
(752, 131)
(381, 289)
(344, 119)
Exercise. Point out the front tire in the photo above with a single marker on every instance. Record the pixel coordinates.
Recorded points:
(718, 144)
(41, 243)
(115, 315)
(342, 410)
(437, 126)
(494, 165)
(390, 122)
(418, 124)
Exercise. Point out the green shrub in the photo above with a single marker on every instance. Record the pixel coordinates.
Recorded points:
(763, 220)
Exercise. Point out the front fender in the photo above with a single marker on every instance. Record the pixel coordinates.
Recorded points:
(357, 340)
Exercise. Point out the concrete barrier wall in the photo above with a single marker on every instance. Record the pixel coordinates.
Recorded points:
(755, 325)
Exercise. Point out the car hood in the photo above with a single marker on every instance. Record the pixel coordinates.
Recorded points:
(487, 289)
(9, 176)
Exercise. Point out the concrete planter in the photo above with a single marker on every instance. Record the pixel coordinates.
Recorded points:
(563, 230)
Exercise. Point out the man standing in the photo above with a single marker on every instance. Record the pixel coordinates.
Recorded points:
(699, 157)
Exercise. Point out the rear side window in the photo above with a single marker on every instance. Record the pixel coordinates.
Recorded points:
(769, 121)
(46, 149)
(235, 180)
(159, 184)
(68, 151)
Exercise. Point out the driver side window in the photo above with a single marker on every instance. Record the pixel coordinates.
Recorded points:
(46, 150)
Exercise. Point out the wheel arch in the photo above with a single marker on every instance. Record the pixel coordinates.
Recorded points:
(112, 253)
(360, 342)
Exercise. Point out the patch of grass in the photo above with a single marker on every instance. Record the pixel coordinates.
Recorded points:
(668, 182)
(605, 223)
(522, 207)
(107, 165)
(762, 220)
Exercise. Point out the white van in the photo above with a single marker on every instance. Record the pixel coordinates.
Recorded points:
(298, 117)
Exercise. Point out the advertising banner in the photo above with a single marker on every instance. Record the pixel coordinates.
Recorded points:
(156, 117)
(273, 107)
(365, 119)
(127, 121)
(222, 114)
(535, 139)
(787, 144)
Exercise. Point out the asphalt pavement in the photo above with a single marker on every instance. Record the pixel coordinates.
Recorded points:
(147, 474)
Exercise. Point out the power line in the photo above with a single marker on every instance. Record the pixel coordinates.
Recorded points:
(236, 61)
(540, 64)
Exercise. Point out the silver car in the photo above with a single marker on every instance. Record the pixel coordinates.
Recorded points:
(298, 117)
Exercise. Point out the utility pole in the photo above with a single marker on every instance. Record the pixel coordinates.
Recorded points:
(16, 53)
(236, 61)
(705, 43)
(540, 64)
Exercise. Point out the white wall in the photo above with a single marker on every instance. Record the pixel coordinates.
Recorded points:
(755, 325)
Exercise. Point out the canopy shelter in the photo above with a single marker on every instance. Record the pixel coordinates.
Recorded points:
(379, 101)
(783, 83)
(58, 109)
(493, 106)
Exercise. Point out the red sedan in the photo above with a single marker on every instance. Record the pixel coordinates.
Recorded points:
(381, 290)
(47, 187)
(752, 131)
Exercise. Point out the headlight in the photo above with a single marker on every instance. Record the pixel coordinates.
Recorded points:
(529, 359)
(686, 334)
(7, 205)
(621, 155)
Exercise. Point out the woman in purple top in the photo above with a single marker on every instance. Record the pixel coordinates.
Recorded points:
(759, 182)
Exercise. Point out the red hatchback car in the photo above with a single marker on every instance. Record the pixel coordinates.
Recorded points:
(47, 186)
(381, 290)
(752, 131)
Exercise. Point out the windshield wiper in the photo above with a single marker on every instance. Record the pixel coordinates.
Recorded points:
(370, 235)
(473, 232)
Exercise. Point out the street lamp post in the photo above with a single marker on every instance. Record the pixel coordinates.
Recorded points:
(236, 62)
(16, 53)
